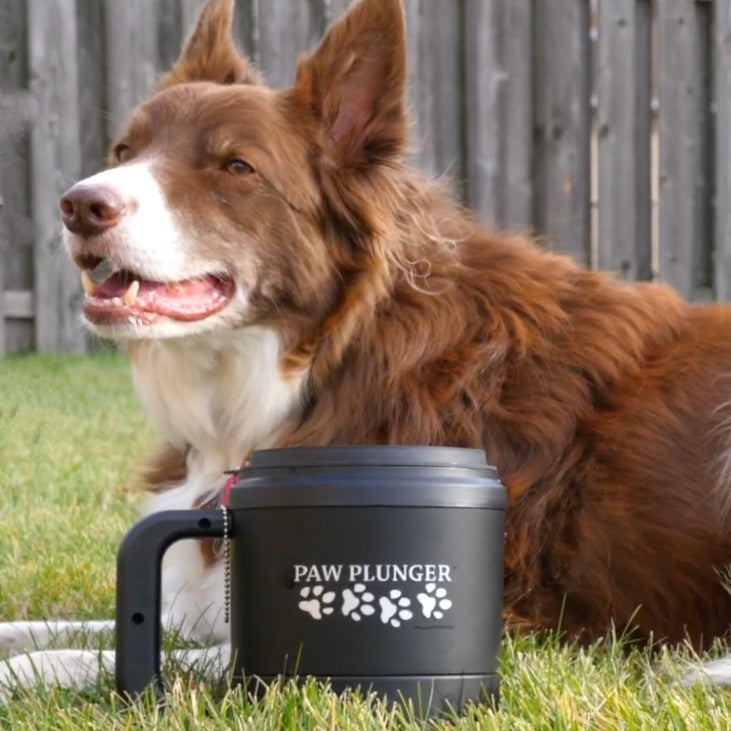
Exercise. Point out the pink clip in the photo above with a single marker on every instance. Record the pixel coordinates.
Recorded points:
(227, 490)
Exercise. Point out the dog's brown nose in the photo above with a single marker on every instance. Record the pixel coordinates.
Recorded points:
(89, 210)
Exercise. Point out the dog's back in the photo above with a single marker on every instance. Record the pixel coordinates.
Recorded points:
(604, 406)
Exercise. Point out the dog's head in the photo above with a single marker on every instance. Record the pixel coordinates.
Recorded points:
(227, 203)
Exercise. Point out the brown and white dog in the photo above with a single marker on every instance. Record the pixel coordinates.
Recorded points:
(282, 277)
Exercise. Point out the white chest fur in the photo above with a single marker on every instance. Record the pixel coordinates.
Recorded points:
(224, 396)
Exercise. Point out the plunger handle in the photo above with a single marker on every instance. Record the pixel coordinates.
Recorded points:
(138, 592)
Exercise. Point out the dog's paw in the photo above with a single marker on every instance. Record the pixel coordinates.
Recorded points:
(72, 669)
(717, 671)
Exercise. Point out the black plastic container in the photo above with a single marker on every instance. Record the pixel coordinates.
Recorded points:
(375, 567)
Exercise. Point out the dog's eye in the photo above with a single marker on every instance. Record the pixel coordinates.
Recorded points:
(239, 167)
(122, 153)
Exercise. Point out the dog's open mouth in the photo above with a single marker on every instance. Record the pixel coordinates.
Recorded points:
(124, 297)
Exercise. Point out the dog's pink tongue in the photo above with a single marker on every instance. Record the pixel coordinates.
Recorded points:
(187, 300)
(116, 286)
(119, 283)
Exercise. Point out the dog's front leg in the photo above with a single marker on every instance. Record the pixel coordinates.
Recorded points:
(79, 669)
(18, 637)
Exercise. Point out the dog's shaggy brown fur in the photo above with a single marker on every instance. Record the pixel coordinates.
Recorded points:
(606, 406)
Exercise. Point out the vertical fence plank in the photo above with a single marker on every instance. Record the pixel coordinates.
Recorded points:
(517, 115)
(436, 79)
(170, 32)
(92, 86)
(16, 226)
(246, 34)
(4, 113)
(722, 153)
(685, 154)
(623, 90)
(562, 197)
(131, 41)
(2, 297)
(485, 78)
(499, 110)
(285, 30)
(55, 164)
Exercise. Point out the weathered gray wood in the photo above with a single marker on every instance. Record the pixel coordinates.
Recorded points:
(131, 42)
(562, 133)
(624, 114)
(3, 313)
(170, 32)
(16, 109)
(285, 30)
(684, 138)
(246, 33)
(18, 305)
(722, 153)
(92, 85)
(517, 113)
(485, 78)
(435, 85)
(499, 110)
(500, 98)
(55, 164)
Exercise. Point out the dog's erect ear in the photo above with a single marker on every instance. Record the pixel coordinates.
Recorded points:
(355, 85)
(210, 54)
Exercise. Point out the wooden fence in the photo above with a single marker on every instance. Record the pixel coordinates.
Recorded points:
(603, 124)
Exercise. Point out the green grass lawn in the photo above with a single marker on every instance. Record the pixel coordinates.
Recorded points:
(71, 435)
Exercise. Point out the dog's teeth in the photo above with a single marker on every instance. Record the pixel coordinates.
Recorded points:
(130, 296)
(87, 283)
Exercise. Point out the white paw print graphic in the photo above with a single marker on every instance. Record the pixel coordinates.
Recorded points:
(395, 608)
(319, 603)
(357, 603)
(434, 601)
